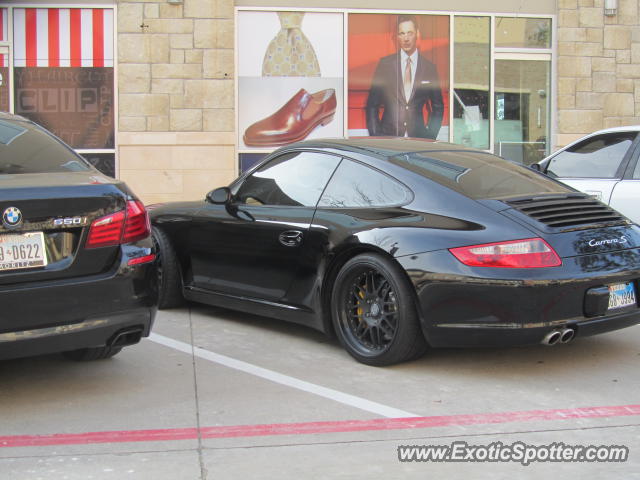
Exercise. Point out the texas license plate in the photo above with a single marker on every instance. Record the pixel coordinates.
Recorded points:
(621, 295)
(25, 250)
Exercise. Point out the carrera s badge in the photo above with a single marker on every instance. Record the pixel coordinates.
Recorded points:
(596, 243)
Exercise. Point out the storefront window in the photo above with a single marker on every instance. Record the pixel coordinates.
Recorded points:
(522, 109)
(63, 76)
(523, 32)
(105, 162)
(5, 91)
(489, 89)
(4, 63)
(472, 74)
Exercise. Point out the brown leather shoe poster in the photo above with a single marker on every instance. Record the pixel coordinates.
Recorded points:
(290, 77)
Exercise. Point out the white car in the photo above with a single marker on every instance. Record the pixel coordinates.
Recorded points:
(603, 164)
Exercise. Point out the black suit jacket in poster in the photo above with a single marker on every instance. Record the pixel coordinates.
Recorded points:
(400, 114)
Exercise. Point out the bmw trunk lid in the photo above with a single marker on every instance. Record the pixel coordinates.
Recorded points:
(45, 222)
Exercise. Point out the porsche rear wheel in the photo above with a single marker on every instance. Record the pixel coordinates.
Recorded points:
(169, 277)
(373, 312)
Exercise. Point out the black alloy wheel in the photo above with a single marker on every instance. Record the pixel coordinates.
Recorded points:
(169, 276)
(373, 312)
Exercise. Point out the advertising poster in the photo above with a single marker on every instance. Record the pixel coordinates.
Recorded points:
(398, 70)
(76, 104)
(290, 77)
(63, 75)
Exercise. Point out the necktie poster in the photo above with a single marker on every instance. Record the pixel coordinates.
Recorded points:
(290, 77)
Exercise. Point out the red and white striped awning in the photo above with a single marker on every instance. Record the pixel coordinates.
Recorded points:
(63, 37)
(4, 14)
(3, 35)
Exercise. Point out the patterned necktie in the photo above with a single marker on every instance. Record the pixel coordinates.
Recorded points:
(290, 54)
(408, 84)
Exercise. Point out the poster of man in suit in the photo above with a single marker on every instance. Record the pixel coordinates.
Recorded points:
(400, 86)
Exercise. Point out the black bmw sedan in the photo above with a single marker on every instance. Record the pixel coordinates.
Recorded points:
(77, 263)
(397, 245)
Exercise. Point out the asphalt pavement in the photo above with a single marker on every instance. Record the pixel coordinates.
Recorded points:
(215, 394)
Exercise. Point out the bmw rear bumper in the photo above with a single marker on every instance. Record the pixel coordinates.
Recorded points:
(55, 316)
(90, 332)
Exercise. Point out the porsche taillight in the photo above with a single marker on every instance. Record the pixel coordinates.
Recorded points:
(526, 253)
(125, 226)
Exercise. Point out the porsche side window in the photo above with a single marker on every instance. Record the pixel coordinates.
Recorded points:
(597, 157)
(355, 185)
(636, 172)
(293, 179)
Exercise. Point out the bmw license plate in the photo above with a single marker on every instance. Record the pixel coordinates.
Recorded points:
(621, 295)
(24, 250)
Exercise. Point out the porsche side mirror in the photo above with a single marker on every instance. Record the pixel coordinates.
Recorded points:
(219, 196)
(536, 167)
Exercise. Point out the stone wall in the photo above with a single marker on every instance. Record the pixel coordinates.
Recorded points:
(176, 97)
(598, 67)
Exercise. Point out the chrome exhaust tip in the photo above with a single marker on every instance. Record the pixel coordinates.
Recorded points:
(126, 337)
(567, 335)
(552, 337)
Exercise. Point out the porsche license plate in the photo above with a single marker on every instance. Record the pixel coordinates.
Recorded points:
(621, 295)
(24, 250)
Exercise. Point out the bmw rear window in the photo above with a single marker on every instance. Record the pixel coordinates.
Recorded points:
(478, 175)
(26, 148)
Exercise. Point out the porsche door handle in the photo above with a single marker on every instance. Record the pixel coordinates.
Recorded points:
(291, 238)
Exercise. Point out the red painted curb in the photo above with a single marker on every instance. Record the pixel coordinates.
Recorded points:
(308, 428)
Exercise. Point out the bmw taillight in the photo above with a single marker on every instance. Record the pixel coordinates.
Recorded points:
(124, 226)
(526, 253)
(137, 225)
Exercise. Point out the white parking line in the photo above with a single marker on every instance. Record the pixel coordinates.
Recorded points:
(335, 395)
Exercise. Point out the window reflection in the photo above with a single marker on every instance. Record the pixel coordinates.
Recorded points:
(478, 175)
(598, 157)
(25, 148)
(522, 109)
(523, 32)
(355, 185)
(472, 61)
(295, 179)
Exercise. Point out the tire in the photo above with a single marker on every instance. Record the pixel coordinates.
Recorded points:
(373, 312)
(93, 353)
(169, 277)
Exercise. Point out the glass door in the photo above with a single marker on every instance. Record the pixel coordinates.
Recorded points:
(5, 92)
(522, 106)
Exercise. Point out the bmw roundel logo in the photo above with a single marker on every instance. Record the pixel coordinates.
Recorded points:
(12, 217)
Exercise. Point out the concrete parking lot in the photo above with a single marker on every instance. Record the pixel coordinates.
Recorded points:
(215, 394)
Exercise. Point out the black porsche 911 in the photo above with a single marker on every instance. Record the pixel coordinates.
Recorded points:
(77, 263)
(397, 245)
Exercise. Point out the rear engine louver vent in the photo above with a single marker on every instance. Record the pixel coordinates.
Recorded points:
(567, 210)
